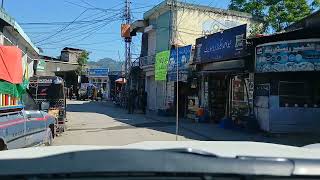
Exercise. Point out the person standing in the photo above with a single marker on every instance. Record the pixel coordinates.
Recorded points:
(71, 92)
(144, 102)
(77, 93)
(131, 100)
(95, 93)
(101, 94)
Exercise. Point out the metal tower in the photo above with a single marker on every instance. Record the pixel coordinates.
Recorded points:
(127, 18)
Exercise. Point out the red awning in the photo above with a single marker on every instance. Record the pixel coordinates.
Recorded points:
(11, 64)
(121, 81)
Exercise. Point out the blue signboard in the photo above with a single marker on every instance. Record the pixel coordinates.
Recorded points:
(220, 46)
(184, 55)
(98, 72)
(288, 56)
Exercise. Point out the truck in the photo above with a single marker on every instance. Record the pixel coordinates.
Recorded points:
(49, 94)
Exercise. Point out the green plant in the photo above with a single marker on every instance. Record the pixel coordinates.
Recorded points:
(82, 62)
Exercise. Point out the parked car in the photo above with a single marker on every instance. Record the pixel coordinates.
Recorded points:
(24, 128)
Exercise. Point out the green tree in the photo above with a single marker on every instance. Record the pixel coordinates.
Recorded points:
(315, 5)
(254, 7)
(82, 61)
(278, 14)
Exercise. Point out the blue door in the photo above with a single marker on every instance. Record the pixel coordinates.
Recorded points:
(35, 127)
(12, 128)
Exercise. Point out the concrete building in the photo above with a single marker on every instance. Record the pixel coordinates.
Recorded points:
(191, 21)
(50, 66)
(71, 55)
(11, 34)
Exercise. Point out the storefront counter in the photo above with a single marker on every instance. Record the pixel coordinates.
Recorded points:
(275, 119)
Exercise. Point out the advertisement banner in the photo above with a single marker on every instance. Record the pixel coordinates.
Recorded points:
(288, 56)
(161, 66)
(98, 72)
(221, 46)
(41, 66)
(184, 55)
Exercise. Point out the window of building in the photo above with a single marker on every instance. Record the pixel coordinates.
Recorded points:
(299, 94)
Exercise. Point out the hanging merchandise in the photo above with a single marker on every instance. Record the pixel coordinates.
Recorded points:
(11, 64)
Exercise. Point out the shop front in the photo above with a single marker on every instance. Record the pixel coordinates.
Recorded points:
(226, 88)
(287, 86)
(99, 78)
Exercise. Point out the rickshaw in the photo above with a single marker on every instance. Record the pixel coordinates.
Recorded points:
(49, 93)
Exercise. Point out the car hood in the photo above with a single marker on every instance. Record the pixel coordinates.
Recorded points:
(219, 148)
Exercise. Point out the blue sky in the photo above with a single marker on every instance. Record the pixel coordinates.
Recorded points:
(101, 38)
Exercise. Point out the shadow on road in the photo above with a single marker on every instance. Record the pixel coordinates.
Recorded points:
(130, 121)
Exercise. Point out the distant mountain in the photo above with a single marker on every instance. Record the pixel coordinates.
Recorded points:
(112, 64)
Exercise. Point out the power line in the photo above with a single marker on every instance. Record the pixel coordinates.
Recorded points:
(82, 32)
(62, 28)
(95, 8)
(59, 23)
(90, 30)
(76, 27)
(79, 27)
(89, 44)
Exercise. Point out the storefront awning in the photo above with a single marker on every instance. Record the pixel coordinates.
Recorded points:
(121, 81)
(228, 71)
(225, 66)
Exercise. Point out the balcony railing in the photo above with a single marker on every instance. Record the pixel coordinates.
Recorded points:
(147, 60)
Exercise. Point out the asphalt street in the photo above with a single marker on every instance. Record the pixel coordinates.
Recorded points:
(101, 123)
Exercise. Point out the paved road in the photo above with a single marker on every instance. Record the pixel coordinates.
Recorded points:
(100, 123)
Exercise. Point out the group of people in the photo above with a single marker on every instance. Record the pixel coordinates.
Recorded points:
(96, 94)
(91, 93)
(137, 100)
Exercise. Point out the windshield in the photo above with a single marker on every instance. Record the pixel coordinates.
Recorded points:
(114, 73)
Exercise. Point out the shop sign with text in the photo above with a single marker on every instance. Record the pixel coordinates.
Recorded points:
(98, 72)
(184, 55)
(288, 56)
(228, 44)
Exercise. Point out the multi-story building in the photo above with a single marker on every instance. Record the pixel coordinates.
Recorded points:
(163, 26)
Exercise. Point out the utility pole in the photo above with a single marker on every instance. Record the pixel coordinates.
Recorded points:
(174, 32)
(127, 18)
(2, 4)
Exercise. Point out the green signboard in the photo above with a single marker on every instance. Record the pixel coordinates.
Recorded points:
(162, 59)
(41, 66)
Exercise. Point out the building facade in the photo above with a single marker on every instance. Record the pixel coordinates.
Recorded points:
(99, 78)
(287, 91)
(71, 55)
(164, 26)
